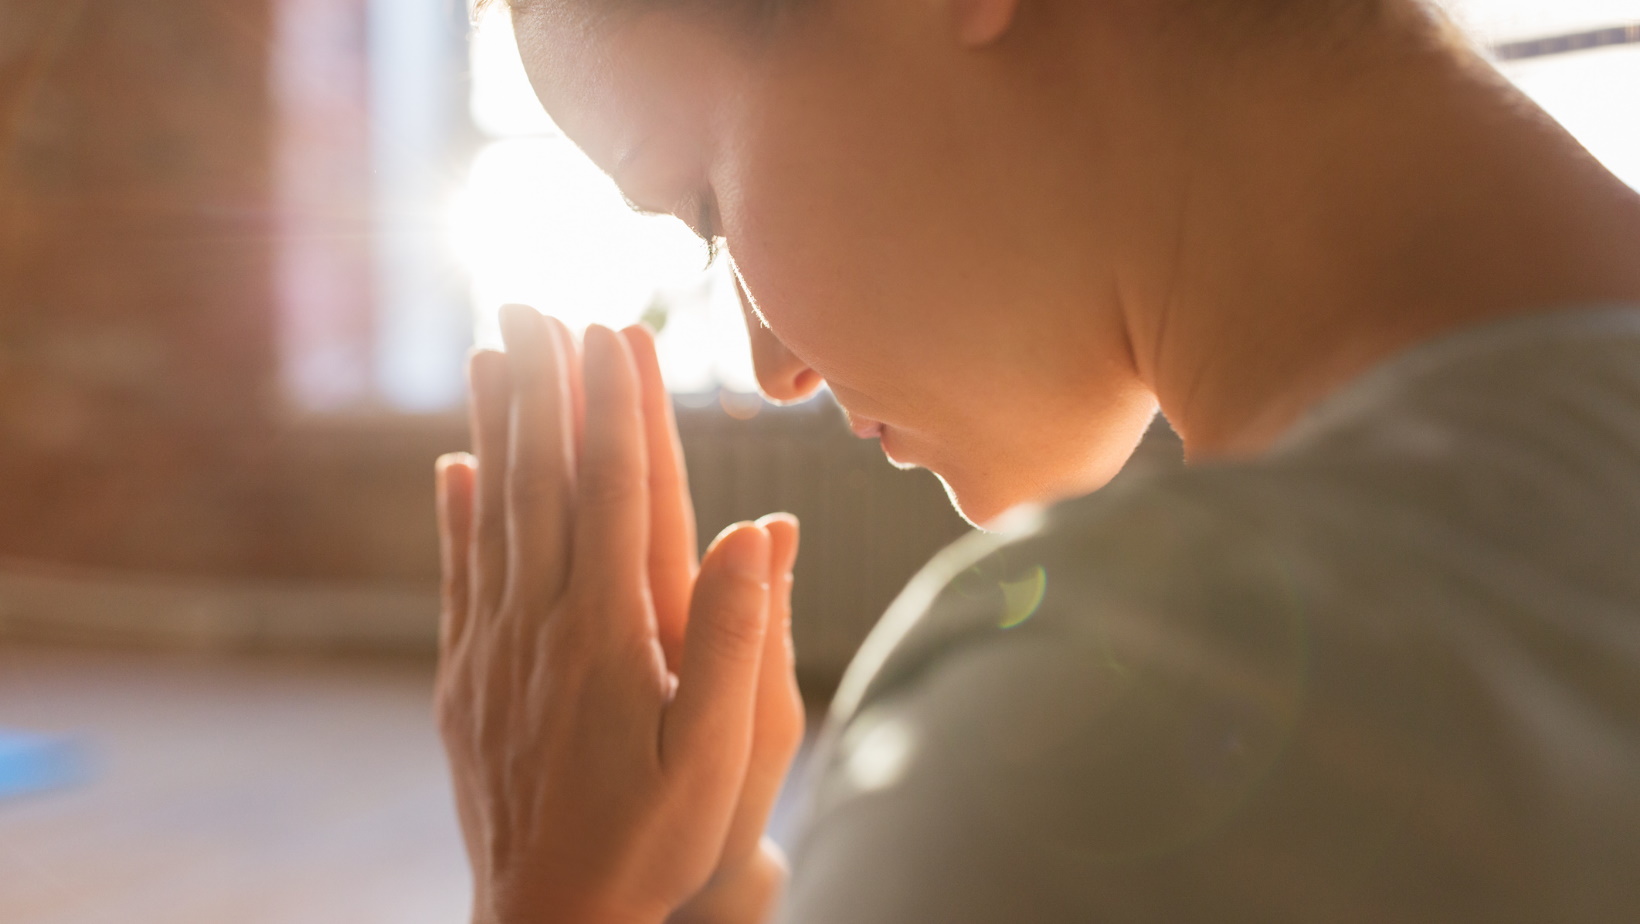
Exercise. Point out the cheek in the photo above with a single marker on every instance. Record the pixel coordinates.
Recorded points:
(840, 248)
(799, 278)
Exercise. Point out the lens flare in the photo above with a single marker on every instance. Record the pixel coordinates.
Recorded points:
(1023, 597)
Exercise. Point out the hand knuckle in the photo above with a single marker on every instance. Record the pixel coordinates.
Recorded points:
(450, 714)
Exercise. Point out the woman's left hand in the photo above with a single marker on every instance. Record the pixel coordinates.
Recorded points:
(594, 782)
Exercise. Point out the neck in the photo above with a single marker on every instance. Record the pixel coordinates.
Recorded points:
(1334, 219)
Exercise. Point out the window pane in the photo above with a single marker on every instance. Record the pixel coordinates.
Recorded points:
(1596, 95)
(503, 104)
(539, 224)
(1493, 21)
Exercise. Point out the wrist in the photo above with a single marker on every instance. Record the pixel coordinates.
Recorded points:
(745, 893)
(521, 909)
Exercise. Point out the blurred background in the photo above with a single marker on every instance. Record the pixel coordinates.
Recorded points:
(244, 249)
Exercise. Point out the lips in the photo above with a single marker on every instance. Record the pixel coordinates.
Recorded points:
(865, 429)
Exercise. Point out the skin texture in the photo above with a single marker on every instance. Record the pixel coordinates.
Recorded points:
(1003, 232)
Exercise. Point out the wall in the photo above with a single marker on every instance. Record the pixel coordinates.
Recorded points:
(142, 423)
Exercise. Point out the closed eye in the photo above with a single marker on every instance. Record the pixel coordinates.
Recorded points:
(698, 213)
(706, 225)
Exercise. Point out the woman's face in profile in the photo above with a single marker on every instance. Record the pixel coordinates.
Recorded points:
(888, 236)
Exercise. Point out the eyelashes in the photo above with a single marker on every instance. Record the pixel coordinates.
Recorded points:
(706, 226)
(699, 213)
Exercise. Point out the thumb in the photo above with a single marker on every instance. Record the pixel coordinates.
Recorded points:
(709, 723)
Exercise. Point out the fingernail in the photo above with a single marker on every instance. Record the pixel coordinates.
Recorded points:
(599, 346)
(453, 458)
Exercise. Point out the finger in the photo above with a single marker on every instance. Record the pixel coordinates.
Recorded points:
(455, 526)
(672, 563)
(778, 718)
(541, 465)
(491, 397)
(570, 349)
(707, 733)
(779, 701)
(612, 498)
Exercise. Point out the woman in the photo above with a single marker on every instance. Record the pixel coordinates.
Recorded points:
(1374, 656)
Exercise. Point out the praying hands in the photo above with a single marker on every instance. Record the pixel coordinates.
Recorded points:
(618, 717)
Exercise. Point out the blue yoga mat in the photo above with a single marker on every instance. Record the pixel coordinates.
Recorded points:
(31, 763)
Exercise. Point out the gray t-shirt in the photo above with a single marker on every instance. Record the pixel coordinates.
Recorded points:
(1389, 672)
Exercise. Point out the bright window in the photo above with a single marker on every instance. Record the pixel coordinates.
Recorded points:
(1594, 92)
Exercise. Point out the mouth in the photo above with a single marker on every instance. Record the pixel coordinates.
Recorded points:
(864, 428)
(867, 429)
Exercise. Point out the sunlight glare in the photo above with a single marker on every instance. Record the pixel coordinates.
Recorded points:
(538, 223)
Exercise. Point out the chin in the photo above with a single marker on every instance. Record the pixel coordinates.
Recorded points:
(986, 486)
(985, 510)
(988, 505)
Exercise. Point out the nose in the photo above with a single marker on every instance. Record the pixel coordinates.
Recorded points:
(781, 376)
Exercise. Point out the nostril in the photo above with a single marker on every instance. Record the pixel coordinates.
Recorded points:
(781, 375)
(806, 383)
(791, 383)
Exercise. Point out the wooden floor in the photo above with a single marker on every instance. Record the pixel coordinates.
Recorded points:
(230, 791)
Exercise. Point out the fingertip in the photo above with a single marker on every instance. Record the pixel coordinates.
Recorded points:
(781, 521)
(454, 481)
(783, 541)
(456, 472)
(639, 335)
(453, 460)
(516, 318)
(598, 346)
(560, 332)
(601, 340)
(527, 336)
(744, 549)
(728, 531)
(441, 473)
(486, 369)
(641, 341)
(608, 357)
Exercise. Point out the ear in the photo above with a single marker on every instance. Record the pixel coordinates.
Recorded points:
(982, 22)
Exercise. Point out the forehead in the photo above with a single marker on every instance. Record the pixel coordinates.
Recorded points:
(611, 81)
